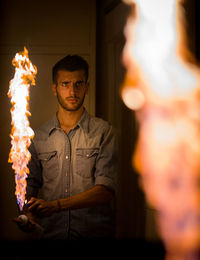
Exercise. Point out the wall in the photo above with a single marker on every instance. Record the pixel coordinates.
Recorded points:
(50, 30)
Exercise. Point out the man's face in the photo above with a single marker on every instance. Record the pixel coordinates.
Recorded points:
(70, 89)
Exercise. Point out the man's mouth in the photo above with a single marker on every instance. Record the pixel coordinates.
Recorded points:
(72, 100)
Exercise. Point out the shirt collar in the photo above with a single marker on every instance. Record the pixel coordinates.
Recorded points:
(82, 123)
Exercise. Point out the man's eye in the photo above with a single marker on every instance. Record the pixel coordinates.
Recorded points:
(64, 84)
(79, 83)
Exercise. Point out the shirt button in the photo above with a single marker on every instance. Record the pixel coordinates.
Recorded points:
(67, 157)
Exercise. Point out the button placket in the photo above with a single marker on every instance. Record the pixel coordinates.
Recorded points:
(67, 166)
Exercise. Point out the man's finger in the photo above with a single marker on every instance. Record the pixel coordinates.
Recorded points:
(17, 220)
(34, 205)
(31, 201)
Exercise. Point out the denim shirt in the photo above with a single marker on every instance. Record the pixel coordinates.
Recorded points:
(63, 165)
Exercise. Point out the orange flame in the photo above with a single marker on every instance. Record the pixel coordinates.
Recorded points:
(162, 86)
(21, 132)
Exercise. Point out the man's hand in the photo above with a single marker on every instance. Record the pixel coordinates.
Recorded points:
(42, 208)
(25, 222)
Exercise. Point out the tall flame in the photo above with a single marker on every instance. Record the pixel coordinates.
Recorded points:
(21, 132)
(162, 86)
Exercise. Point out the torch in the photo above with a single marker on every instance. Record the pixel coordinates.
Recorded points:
(162, 86)
(21, 132)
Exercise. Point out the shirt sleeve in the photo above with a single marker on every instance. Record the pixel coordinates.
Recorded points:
(34, 179)
(106, 162)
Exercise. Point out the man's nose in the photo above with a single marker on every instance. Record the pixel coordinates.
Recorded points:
(72, 88)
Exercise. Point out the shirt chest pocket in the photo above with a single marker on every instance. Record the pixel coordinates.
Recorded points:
(85, 161)
(49, 162)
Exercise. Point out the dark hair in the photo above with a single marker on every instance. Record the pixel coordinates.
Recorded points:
(70, 63)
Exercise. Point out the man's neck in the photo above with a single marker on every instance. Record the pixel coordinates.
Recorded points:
(68, 119)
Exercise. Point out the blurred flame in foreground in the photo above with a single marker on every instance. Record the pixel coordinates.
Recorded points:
(21, 132)
(162, 85)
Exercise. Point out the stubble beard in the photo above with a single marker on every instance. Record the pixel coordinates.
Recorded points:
(66, 107)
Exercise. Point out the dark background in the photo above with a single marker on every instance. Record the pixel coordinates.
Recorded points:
(56, 29)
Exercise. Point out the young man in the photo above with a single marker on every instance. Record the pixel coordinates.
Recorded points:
(74, 163)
